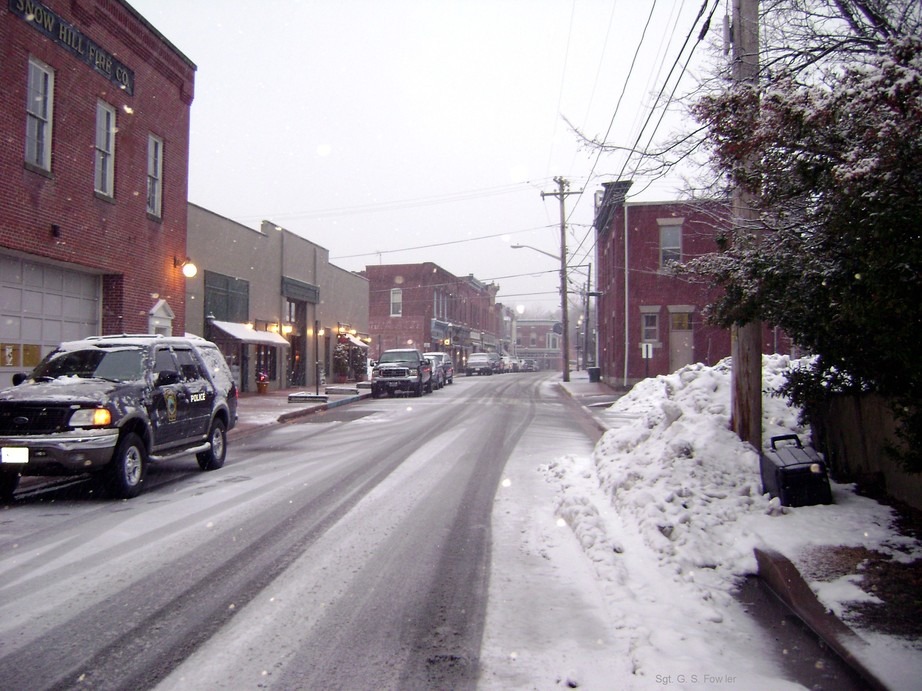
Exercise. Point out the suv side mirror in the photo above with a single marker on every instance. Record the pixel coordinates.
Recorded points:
(19, 378)
(167, 377)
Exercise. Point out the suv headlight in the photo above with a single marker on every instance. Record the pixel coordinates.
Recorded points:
(91, 417)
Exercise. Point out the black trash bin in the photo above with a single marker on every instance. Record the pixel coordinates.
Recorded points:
(595, 374)
(794, 473)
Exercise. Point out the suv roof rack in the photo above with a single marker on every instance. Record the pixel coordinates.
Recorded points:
(101, 338)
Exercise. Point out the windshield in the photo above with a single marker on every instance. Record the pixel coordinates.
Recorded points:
(123, 364)
(398, 357)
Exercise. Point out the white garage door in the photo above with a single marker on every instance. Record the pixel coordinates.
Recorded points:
(40, 306)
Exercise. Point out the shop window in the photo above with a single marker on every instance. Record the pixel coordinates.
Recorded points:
(267, 362)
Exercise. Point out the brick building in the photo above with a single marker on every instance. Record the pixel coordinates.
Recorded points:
(539, 340)
(94, 139)
(649, 321)
(424, 306)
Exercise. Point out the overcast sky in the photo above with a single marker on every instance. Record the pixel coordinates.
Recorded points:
(423, 130)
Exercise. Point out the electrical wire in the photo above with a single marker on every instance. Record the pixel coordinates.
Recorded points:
(397, 204)
(440, 244)
(633, 149)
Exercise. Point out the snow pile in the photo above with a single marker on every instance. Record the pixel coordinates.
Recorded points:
(670, 506)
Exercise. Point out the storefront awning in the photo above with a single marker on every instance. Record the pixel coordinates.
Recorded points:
(247, 335)
(356, 342)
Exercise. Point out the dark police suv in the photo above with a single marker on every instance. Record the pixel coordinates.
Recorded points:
(108, 405)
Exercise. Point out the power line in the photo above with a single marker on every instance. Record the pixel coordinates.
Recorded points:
(633, 149)
(441, 244)
(397, 204)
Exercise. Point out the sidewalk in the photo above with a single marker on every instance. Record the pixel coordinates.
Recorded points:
(255, 411)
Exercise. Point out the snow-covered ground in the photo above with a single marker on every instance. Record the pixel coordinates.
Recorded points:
(665, 512)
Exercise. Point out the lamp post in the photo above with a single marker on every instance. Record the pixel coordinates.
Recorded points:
(318, 332)
(564, 319)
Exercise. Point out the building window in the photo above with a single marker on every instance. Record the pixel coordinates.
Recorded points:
(396, 302)
(670, 244)
(154, 175)
(227, 298)
(105, 149)
(39, 109)
(650, 324)
(680, 321)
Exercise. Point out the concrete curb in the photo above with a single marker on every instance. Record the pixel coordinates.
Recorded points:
(295, 414)
(785, 581)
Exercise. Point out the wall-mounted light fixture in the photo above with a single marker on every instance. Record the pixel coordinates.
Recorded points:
(188, 268)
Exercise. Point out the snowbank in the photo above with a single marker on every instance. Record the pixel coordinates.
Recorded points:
(669, 508)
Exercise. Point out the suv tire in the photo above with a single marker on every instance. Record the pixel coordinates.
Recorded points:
(214, 457)
(125, 473)
(8, 484)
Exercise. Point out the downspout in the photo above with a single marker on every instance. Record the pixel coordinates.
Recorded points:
(626, 287)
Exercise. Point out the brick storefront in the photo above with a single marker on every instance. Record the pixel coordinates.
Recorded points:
(94, 115)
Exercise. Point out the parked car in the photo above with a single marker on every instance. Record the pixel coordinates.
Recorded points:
(530, 365)
(401, 369)
(110, 405)
(483, 363)
(443, 361)
(510, 364)
(438, 374)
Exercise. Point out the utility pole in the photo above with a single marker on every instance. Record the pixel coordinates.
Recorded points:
(561, 194)
(746, 339)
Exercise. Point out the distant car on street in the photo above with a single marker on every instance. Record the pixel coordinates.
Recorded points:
(438, 374)
(483, 364)
(443, 362)
(510, 364)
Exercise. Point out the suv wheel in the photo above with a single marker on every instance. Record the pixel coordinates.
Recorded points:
(8, 484)
(125, 473)
(214, 457)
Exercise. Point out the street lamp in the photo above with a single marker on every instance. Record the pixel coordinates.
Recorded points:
(564, 319)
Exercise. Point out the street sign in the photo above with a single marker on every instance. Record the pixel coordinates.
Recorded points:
(646, 351)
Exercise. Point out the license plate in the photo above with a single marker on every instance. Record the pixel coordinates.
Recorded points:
(14, 454)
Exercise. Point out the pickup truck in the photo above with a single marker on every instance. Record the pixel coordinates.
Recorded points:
(403, 369)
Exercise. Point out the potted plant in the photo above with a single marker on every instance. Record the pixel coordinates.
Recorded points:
(358, 363)
(262, 382)
(340, 362)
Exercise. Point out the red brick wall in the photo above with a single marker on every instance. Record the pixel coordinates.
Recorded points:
(112, 237)
(465, 305)
(648, 286)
